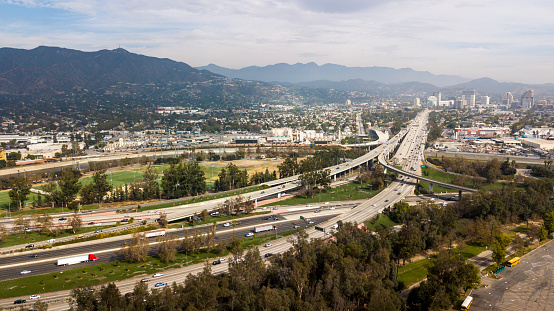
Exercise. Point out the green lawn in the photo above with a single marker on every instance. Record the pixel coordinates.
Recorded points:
(118, 179)
(33, 237)
(413, 272)
(383, 220)
(416, 271)
(220, 219)
(350, 191)
(438, 176)
(114, 271)
(42, 210)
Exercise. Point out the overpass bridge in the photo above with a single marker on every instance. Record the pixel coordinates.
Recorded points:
(431, 182)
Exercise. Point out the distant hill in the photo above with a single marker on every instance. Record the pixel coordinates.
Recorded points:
(309, 72)
(374, 87)
(51, 70)
(491, 86)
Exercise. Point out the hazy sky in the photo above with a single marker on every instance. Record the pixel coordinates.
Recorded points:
(508, 40)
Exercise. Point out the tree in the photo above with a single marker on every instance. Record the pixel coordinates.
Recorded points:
(40, 306)
(21, 223)
(166, 248)
(314, 181)
(97, 189)
(150, 183)
(69, 185)
(288, 168)
(184, 179)
(84, 300)
(46, 222)
(75, 223)
(162, 221)
(548, 219)
(110, 298)
(498, 252)
(3, 233)
(20, 190)
(135, 250)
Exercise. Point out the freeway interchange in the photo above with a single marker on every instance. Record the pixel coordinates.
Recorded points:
(409, 154)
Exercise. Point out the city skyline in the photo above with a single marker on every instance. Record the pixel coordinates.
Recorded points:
(499, 39)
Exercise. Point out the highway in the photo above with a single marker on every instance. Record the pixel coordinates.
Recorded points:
(395, 192)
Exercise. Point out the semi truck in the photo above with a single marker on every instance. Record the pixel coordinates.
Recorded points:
(154, 233)
(76, 259)
(264, 228)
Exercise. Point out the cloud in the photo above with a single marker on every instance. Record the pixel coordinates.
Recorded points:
(465, 37)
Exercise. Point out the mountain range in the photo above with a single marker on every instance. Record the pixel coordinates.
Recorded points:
(50, 70)
(301, 73)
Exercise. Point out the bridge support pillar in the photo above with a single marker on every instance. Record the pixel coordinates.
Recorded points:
(459, 194)
(255, 203)
(335, 177)
(431, 188)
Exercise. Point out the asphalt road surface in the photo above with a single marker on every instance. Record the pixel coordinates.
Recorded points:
(526, 286)
(11, 266)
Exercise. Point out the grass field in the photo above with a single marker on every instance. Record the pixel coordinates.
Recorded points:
(114, 271)
(438, 176)
(416, 271)
(33, 237)
(383, 220)
(350, 191)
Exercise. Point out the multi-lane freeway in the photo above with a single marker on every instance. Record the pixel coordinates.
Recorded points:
(410, 147)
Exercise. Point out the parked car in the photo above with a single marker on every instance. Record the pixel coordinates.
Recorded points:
(159, 284)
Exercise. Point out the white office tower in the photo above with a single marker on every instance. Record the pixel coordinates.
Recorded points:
(460, 103)
(485, 100)
(527, 99)
(469, 97)
(417, 103)
(348, 102)
(508, 99)
(432, 101)
(438, 96)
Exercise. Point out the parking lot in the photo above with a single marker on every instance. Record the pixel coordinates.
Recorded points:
(526, 286)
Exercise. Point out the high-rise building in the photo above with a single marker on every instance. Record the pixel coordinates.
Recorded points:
(438, 96)
(485, 100)
(469, 97)
(417, 103)
(527, 100)
(432, 101)
(508, 99)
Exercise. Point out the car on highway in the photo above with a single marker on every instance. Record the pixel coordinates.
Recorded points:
(51, 241)
(317, 211)
(25, 272)
(214, 213)
(267, 245)
(268, 255)
(98, 231)
(262, 192)
(91, 223)
(311, 222)
(29, 245)
(296, 226)
(331, 207)
(126, 220)
(62, 219)
(159, 284)
(265, 218)
(222, 259)
(249, 234)
(326, 203)
(89, 290)
(216, 262)
(373, 204)
(19, 301)
(275, 208)
(386, 200)
(227, 224)
(34, 297)
(145, 280)
(33, 256)
(275, 218)
(157, 274)
(399, 193)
